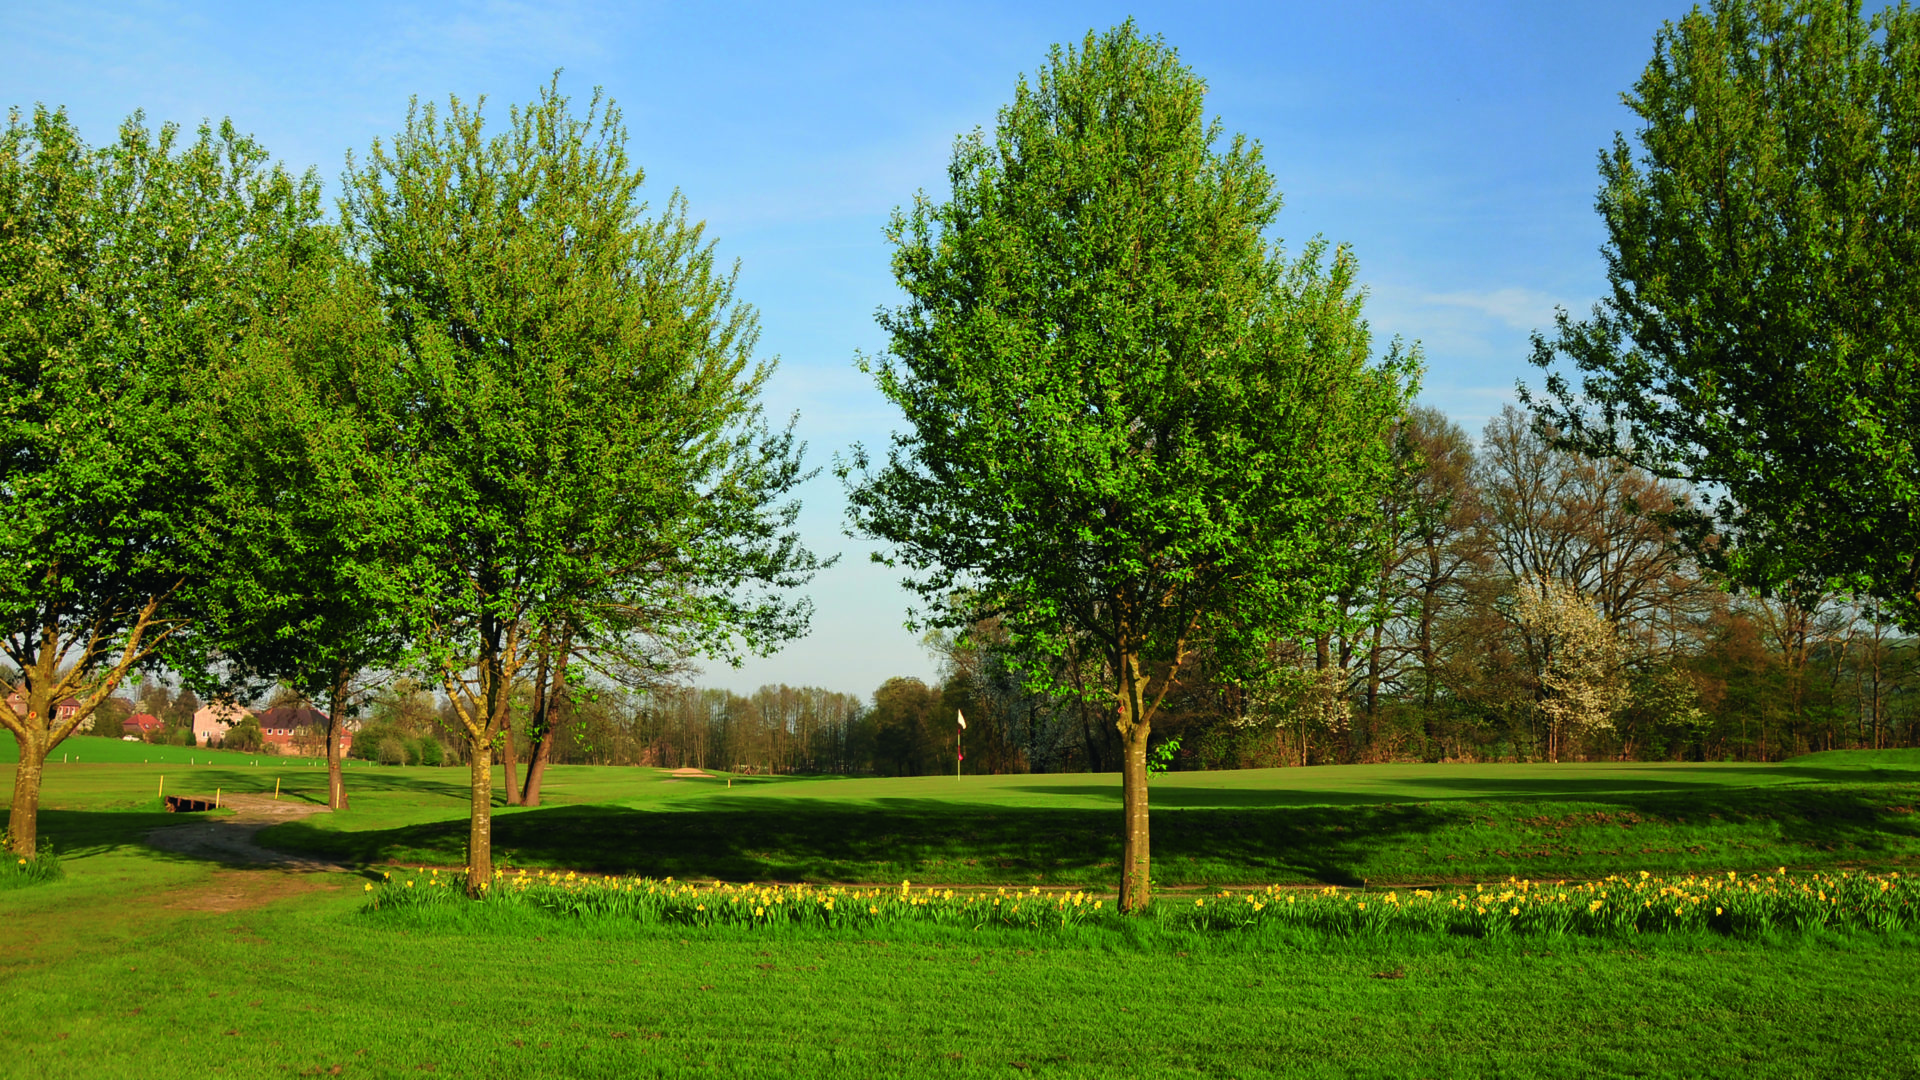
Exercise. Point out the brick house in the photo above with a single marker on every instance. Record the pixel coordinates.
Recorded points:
(297, 729)
(17, 701)
(140, 725)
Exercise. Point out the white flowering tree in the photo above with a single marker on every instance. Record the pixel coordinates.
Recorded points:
(1576, 658)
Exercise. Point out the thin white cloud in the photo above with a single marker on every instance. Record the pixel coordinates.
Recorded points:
(1522, 309)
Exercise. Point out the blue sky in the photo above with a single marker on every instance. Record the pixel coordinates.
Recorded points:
(1452, 145)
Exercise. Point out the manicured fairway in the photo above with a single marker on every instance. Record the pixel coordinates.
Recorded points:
(86, 750)
(1415, 824)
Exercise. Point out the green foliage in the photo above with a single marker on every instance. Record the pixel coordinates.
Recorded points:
(244, 735)
(392, 745)
(130, 275)
(1761, 244)
(583, 426)
(909, 738)
(1160, 757)
(1133, 424)
(302, 459)
(1129, 415)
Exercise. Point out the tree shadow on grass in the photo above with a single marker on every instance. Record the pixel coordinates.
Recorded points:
(923, 840)
(77, 834)
(936, 842)
(1868, 819)
(1481, 784)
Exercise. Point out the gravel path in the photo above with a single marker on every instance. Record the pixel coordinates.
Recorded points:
(230, 839)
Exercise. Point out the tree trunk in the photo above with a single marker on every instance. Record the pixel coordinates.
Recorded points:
(23, 824)
(1136, 888)
(1088, 734)
(336, 706)
(537, 768)
(511, 763)
(480, 819)
(546, 703)
(1133, 726)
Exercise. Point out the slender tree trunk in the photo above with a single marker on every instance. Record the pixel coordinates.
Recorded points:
(1136, 884)
(336, 709)
(537, 768)
(1374, 650)
(480, 819)
(546, 704)
(1879, 655)
(1136, 887)
(511, 763)
(1088, 735)
(23, 822)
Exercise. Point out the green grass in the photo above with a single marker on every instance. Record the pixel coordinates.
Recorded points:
(91, 750)
(1384, 825)
(1406, 824)
(92, 985)
(140, 964)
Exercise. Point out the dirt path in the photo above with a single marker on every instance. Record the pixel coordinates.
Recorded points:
(230, 839)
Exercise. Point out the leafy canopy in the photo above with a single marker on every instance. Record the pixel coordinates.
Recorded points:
(581, 420)
(1130, 416)
(1763, 256)
(130, 276)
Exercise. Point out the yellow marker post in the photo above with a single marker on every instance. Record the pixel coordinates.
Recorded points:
(216, 798)
(162, 795)
(276, 789)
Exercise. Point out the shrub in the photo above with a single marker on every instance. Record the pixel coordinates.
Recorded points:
(392, 750)
(244, 736)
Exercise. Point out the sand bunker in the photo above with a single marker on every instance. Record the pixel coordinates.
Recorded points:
(230, 839)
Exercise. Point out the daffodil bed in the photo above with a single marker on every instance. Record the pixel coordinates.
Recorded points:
(1731, 903)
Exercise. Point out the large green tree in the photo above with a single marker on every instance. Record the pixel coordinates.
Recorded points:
(584, 454)
(1763, 256)
(1133, 423)
(302, 466)
(128, 276)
